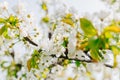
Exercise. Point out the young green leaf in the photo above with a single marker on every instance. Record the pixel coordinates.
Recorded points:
(2, 30)
(2, 20)
(34, 60)
(95, 54)
(87, 27)
(115, 29)
(116, 51)
(68, 21)
(6, 35)
(13, 21)
(113, 1)
(94, 44)
(44, 6)
(29, 64)
(78, 63)
(65, 42)
(46, 19)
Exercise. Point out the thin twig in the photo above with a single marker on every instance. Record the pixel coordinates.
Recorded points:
(86, 53)
(30, 41)
(81, 60)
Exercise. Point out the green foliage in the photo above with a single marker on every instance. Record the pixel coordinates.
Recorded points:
(97, 43)
(44, 6)
(87, 27)
(2, 20)
(54, 26)
(65, 42)
(2, 30)
(45, 19)
(68, 19)
(94, 45)
(116, 51)
(78, 63)
(8, 23)
(13, 69)
(6, 35)
(113, 1)
(34, 60)
(13, 21)
(113, 28)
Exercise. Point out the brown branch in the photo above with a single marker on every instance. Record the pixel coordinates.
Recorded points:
(86, 53)
(110, 66)
(49, 35)
(76, 59)
(81, 60)
(66, 52)
(30, 41)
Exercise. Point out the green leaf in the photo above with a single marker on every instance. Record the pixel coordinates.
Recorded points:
(116, 52)
(13, 69)
(46, 19)
(113, 28)
(113, 1)
(78, 63)
(94, 45)
(44, 6)
(29, 64)
(65, 42)
(54, 25)
(68, 21)
(94, 42)
(2, 20)
(95, 54)
(36, 53)
(13, 20)
(108, 35)
(2, 30)
(115, 49)
(87, 27)
(33, 61)
(5, 34)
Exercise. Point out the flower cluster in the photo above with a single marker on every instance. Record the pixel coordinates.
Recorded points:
(64, 46)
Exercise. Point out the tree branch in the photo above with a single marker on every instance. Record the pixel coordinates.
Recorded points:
(76, 59)
(86, 53)
(81, 60)
(30, 41)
